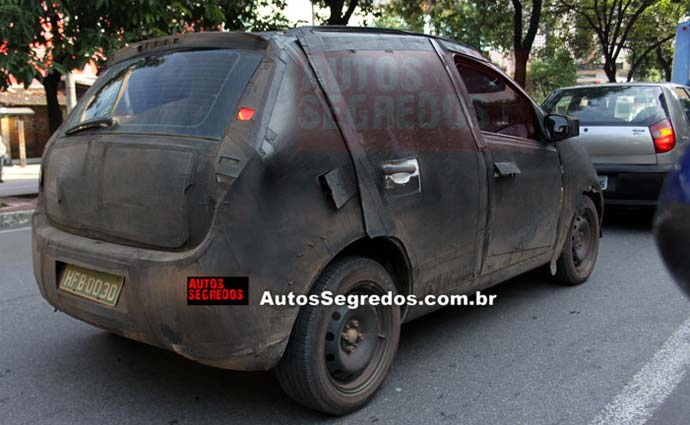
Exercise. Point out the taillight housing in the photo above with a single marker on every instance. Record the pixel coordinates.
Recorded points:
(663, 135)
(245, 114)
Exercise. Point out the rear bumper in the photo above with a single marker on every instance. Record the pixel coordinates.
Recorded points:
(152, 307)
(633, 184)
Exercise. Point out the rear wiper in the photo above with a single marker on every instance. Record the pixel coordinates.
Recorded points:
(94, 123)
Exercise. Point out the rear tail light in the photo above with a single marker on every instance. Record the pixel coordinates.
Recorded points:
(664, 138)
(245, 114)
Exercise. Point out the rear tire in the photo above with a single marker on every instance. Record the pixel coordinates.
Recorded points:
(581, 246)
(337, 358)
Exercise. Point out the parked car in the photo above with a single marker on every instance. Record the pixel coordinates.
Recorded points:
(671, 224)
(349, 160)
(634, 132)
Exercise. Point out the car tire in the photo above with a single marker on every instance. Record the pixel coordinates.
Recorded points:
(337, 358)
(581, 246)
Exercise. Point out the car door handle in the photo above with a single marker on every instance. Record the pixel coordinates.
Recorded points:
(506, 169)
(404, 168)
(402, 176)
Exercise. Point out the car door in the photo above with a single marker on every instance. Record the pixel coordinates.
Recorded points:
(405, 128)
(429, 171)
(525, 173)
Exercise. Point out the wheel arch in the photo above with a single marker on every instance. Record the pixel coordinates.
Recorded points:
(598, 200)
(387, 251)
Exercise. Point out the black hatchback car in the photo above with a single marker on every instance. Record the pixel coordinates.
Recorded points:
(349, 160)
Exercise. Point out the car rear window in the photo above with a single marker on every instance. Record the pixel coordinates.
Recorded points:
(192, 93)
(610, 105)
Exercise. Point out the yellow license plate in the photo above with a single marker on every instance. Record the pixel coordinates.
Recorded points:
(96, 286)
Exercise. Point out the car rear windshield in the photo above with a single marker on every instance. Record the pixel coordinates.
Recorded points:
(191, 93)
(610, 105)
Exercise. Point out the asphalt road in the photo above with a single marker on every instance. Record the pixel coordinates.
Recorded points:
(603, 352)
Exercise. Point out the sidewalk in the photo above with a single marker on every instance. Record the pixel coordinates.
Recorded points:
(16, 194)
(16, 211)
(20, 181)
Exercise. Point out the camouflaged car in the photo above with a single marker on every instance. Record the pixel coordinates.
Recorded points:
(350, 160)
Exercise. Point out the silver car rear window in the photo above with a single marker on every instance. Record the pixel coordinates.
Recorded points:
(610, 105)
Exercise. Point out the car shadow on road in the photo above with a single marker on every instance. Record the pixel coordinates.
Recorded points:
(200, 394)
(210, 395)
(634, 219)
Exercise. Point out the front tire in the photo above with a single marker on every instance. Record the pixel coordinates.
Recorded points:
(337, 358)
(581, 246)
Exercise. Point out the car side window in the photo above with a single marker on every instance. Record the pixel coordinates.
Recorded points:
(499, 107)
(684, 98)
(682, 93)
(562, 105)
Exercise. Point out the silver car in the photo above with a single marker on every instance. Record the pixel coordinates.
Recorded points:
(634, 132)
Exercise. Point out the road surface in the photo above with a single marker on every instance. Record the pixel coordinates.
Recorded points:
(615, 350)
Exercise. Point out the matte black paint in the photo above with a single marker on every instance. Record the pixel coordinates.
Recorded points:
(277, 200)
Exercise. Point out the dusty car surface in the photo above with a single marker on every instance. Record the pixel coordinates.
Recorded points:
(634, 133)
(356, 161)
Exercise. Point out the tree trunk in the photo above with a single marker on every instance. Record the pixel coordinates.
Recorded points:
(665, 65)
(337, 16)
(520, 75)
(50, 84)
(610, 69)
(336, 20)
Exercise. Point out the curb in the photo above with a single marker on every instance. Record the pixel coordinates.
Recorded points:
(15, 218)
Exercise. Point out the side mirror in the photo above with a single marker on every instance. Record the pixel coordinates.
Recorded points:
(561, 127)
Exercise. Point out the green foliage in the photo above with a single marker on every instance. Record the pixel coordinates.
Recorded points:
(342, 10)
(79, 29)
(581, 39)
(612, 23)
(483, 24)
(552, 67)
(651, 40)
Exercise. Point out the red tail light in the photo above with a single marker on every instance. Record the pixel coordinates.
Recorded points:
(245, 114)
(664, 138)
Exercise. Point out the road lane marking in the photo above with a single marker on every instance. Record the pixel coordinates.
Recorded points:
(15, 230)
(646, 391)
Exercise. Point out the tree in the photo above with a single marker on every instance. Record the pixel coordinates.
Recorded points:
(342, 10)
(483, 24)
(612, 22)
(651, 40)
(44, 40)
(522, 43)
(580, 38)
(552, 67)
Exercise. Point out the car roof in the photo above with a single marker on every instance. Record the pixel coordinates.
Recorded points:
(259, 40)
(345, 31)
(632, 84)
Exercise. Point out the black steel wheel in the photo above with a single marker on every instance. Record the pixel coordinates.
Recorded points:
(581, 246)
(338, 357)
